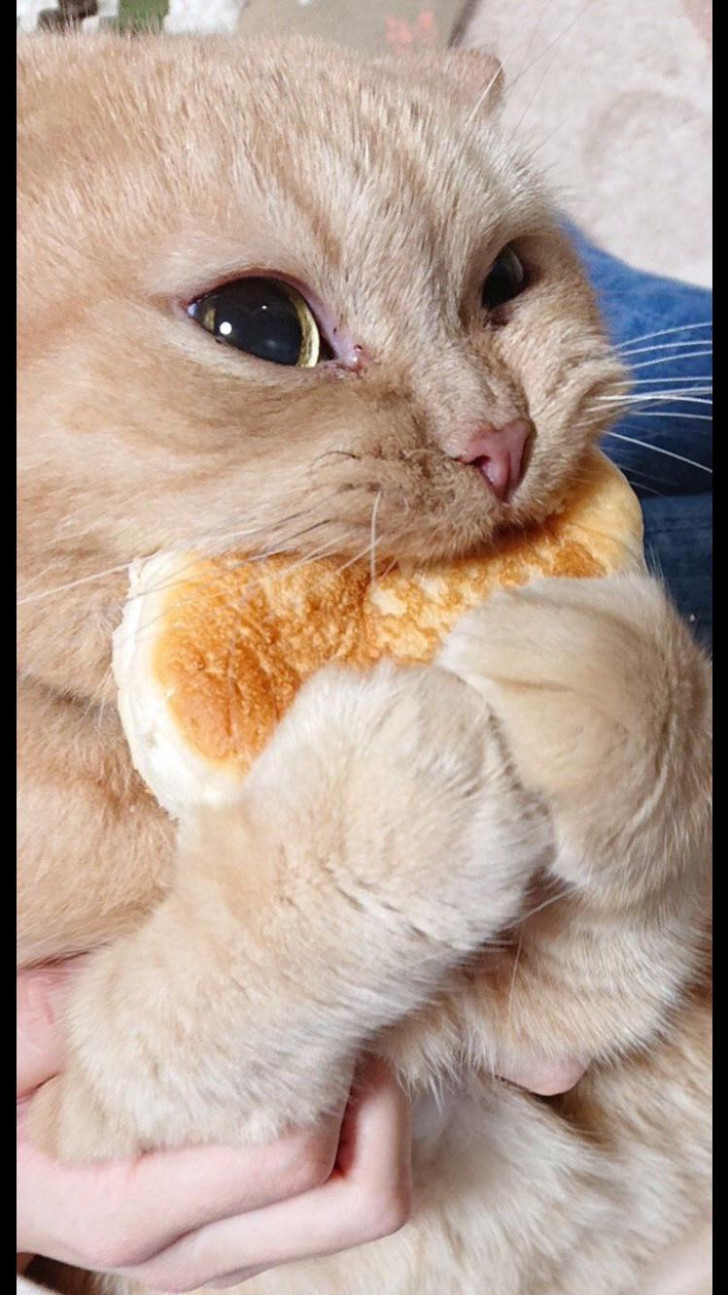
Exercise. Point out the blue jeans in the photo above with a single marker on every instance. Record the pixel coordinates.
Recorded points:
(671, 469)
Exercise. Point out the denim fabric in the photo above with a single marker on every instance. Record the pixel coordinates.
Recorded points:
(676, 496)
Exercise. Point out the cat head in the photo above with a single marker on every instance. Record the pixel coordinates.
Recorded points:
(366, 221)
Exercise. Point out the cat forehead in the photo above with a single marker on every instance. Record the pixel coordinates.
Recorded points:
(295, 149)
(207, 103)
(279, 75)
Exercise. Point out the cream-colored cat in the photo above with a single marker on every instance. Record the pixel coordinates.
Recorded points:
(373, 887)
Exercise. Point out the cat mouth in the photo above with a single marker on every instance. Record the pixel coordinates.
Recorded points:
(418, 504)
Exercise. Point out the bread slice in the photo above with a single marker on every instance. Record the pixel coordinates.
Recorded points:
(211, 652)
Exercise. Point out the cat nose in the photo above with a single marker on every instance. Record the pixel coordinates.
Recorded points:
(498, 453)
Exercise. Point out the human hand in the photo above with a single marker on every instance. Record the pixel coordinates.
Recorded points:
(207, 1216)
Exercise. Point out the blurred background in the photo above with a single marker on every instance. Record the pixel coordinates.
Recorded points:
(613, 95)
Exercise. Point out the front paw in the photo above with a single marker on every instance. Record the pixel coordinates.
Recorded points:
(604, 700)
(155, 1035)
(380, 838)
(394, 786)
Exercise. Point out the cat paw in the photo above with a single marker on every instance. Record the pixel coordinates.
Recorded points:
(403, 783)
(380, 838)
(603, 695)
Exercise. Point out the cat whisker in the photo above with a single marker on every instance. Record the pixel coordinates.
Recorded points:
(504, 59)
(210, 543)
(668, 359)
(373, 539)
(646, 479)
(642, 485)
(659, 449)
(216, 539)
(194, 560)
(527, 47)
(328, 454)
(563, 893)
(482, 98)
(561, 192)
(653, 398)
(516, 960)
(556, 40)
(327, 550)
(282, 548)
(523, 70)
(688, 349)
(283, 545)
(546, 72)
(72, 584)
(95, 576)
(664, 332)
(679, 378)
(358, 557)
(672, 413)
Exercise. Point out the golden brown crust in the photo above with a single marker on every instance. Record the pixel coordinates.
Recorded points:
(237, 638)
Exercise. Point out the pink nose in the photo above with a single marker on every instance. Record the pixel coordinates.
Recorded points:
(498, 452)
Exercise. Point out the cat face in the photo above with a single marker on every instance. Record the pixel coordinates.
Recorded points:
(154, 173)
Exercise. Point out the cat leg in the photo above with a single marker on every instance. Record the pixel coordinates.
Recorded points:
(379, 840)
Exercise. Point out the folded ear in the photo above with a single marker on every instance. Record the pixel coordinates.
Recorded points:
(479, 75)
(474, 75)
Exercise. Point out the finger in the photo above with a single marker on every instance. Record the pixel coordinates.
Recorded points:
(377, 1107)
(41, 995)
(546, 1076)
(118, 1214)
(237, 1279)
(367, 1196)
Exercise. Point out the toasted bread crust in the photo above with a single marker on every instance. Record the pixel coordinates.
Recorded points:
(224, 644)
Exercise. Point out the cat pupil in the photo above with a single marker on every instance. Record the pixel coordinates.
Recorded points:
(262, 317)
(506, 279)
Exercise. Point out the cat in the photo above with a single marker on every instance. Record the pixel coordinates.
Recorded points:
(495, 861)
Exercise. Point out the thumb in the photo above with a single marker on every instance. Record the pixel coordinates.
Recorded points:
(41, 994)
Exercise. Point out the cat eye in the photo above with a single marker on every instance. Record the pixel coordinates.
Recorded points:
(506, 279)
(265, 318)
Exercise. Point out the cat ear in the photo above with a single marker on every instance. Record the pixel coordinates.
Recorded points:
(479, 75)
(475, 75)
